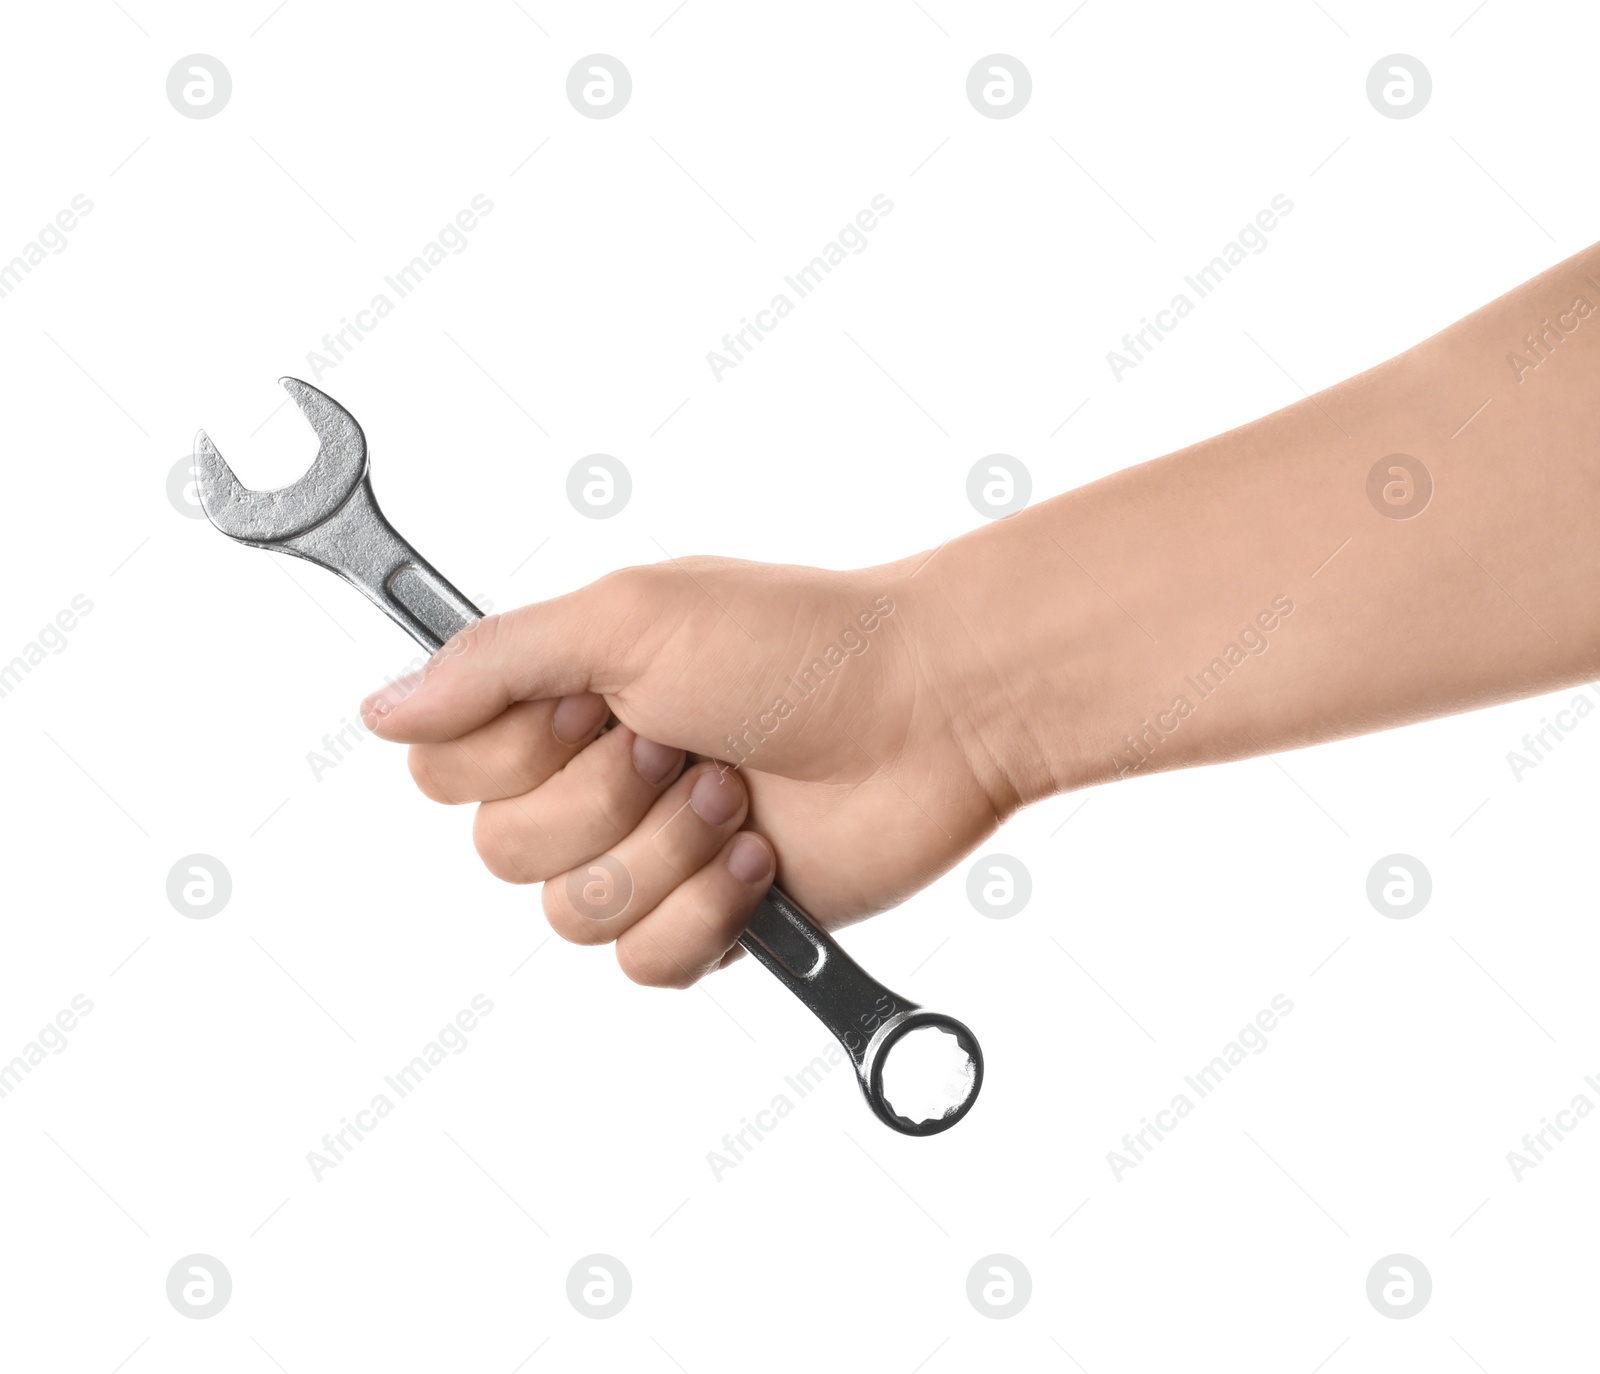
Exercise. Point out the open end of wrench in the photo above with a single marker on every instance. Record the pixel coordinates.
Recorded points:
(265, 518)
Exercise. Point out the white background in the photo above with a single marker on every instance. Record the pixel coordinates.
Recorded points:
(179, 717)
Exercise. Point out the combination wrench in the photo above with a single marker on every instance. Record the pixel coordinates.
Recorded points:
(331, 518)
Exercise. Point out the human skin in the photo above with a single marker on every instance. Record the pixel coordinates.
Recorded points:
(1045, 652)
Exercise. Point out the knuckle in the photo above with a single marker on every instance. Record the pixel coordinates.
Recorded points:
(498, 848)
(615, 800)
(709, 564)
(520, 768)
(645, 965)
(423, 763)
(480, 632)
(642, 607)
(571, 926)
(485, 631)
(639, 581)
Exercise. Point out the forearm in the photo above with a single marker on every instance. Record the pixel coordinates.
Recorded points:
(1247, 595)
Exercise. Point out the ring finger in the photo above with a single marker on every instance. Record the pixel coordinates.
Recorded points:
(584, 809)
(596, 901)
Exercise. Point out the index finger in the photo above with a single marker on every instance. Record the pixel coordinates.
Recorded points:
(554, 648)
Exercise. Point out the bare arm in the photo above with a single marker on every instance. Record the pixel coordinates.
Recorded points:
(1419, 540)
(1434, 524)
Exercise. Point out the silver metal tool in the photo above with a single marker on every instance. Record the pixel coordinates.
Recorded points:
(330, 517)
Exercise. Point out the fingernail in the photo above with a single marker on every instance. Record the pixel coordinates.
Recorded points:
(576, 718)
(748, 860)
(386, 698)
(715, 799)
(653, 760)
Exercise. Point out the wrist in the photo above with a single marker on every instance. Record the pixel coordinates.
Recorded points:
(1028, 658)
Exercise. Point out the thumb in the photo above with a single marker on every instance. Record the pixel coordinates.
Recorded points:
(588, 640)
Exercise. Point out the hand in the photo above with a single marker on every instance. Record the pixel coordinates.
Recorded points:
(823, 738)
(856, 733)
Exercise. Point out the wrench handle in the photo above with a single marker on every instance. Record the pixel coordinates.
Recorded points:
(331, 518)
(860, 1012)
(422, 595)
(361, 546)
(863, 1015)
